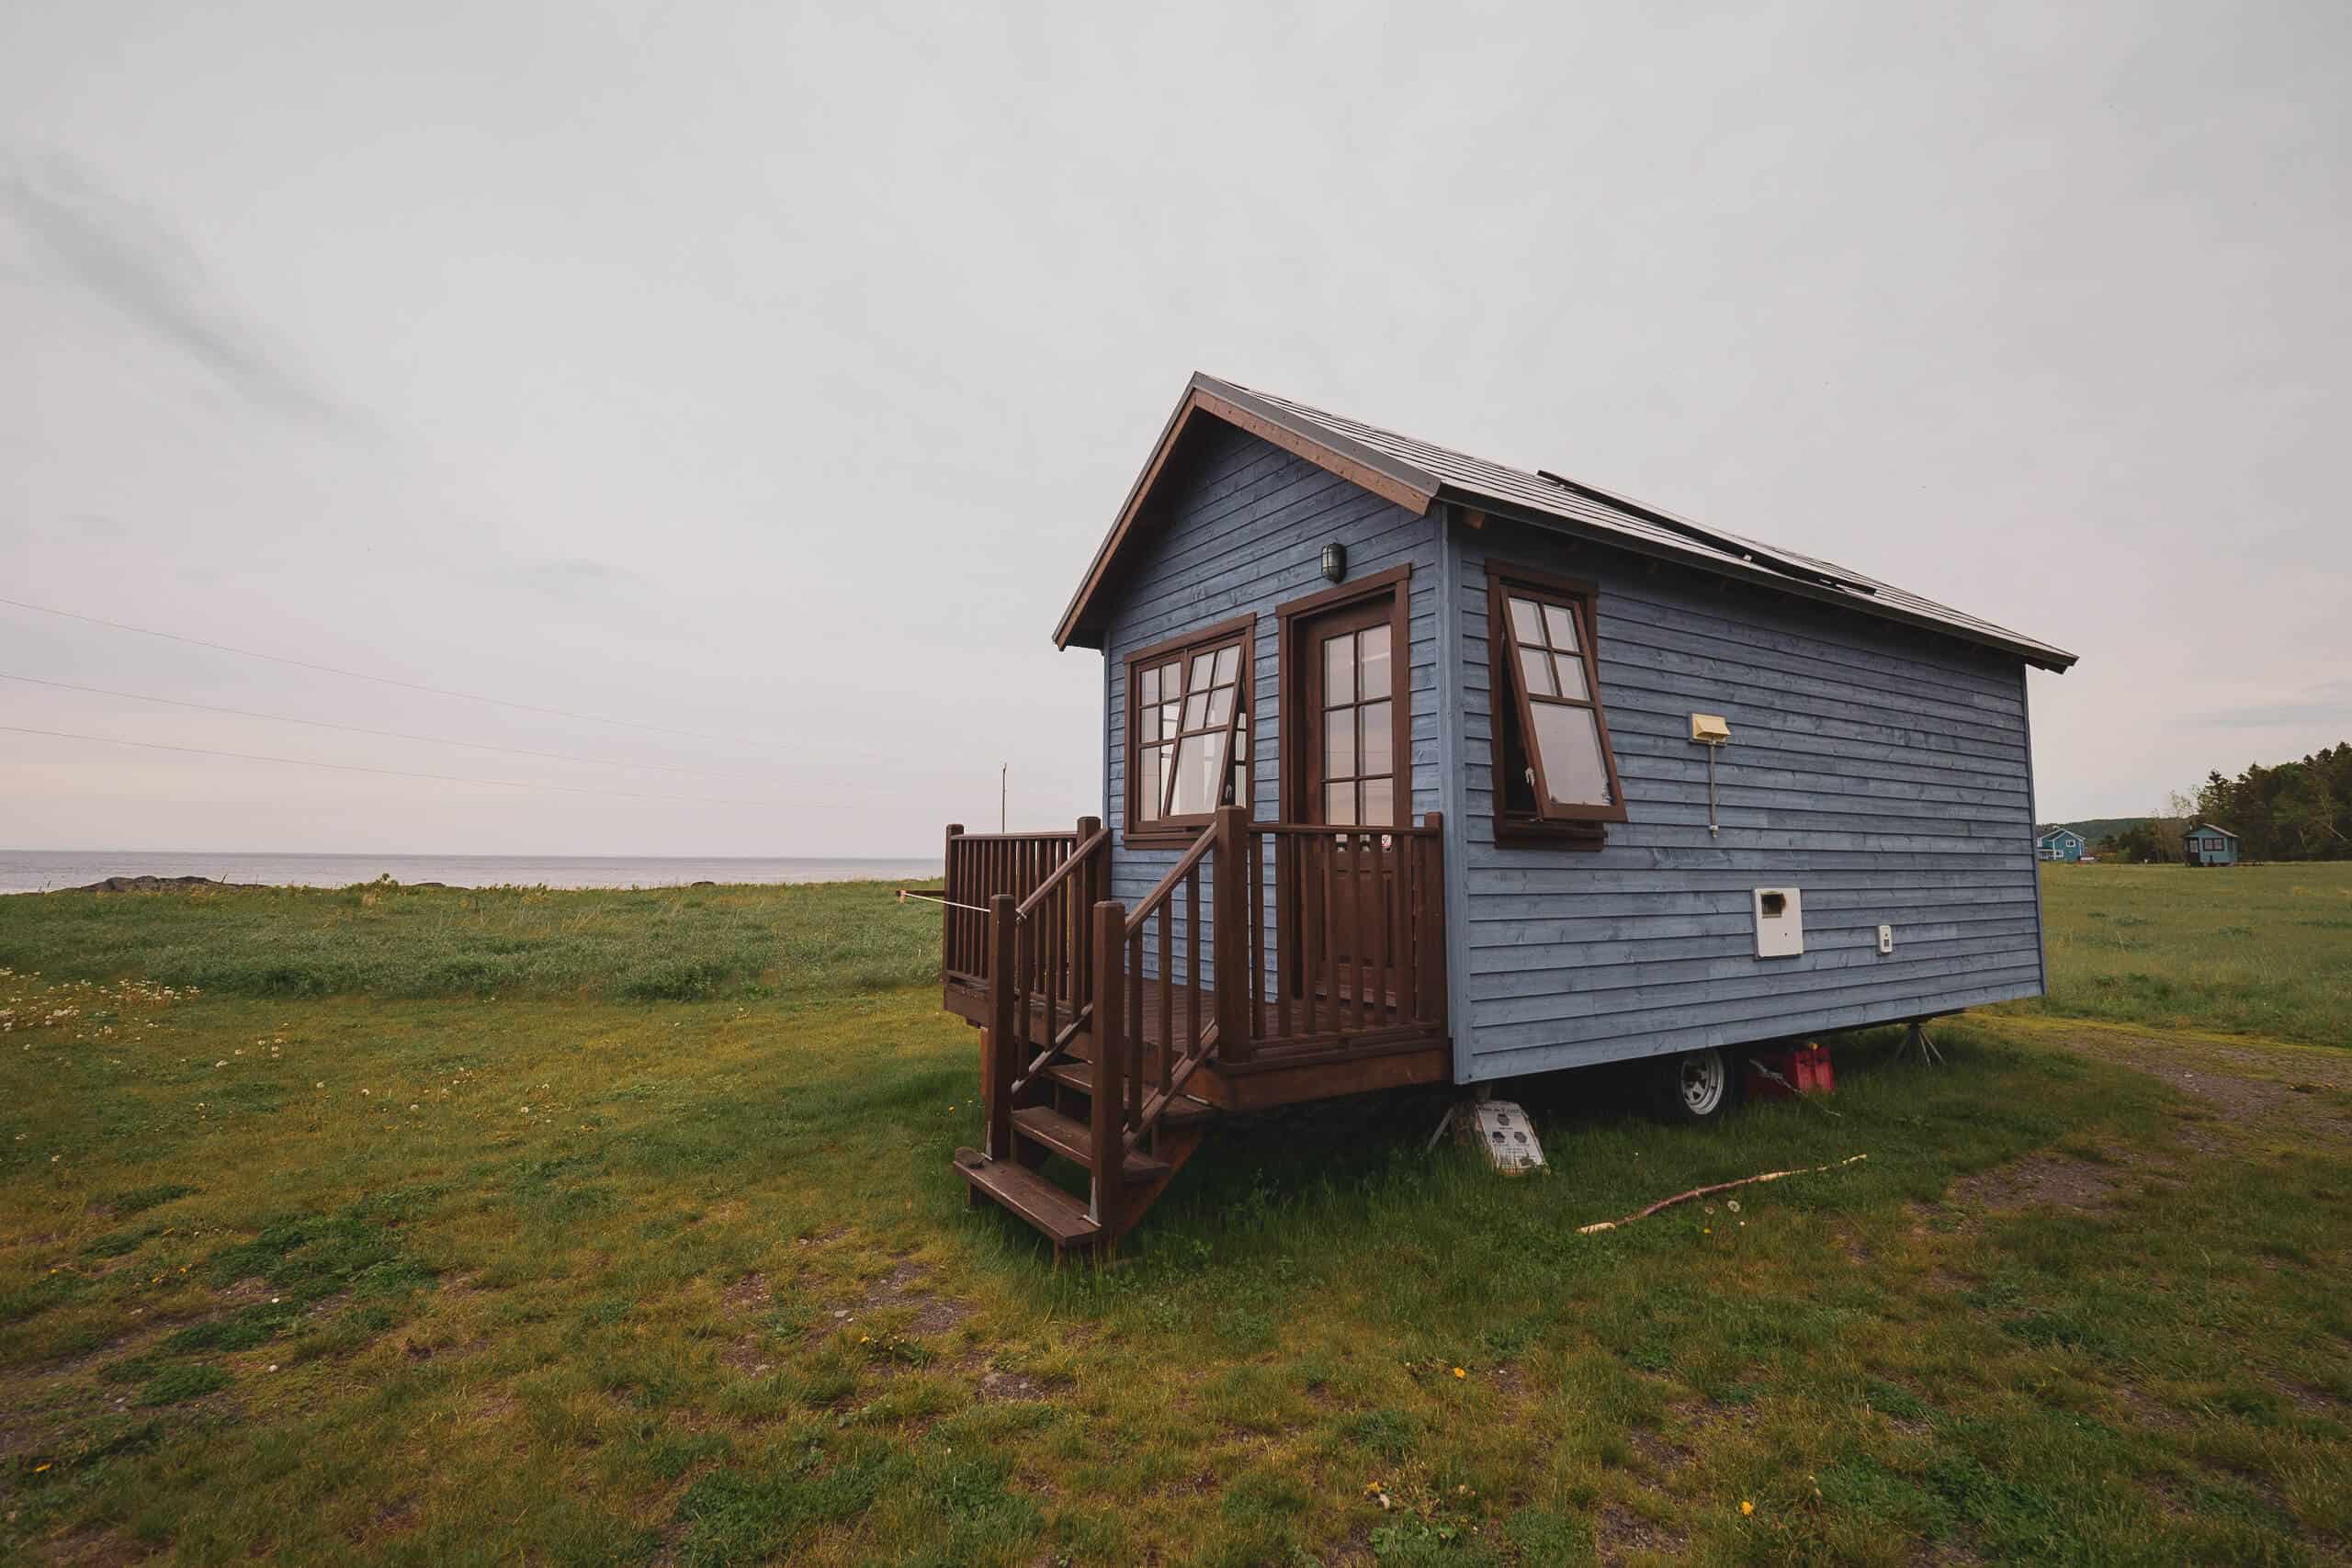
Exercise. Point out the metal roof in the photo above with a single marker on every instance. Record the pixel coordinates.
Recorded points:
(1433, 474)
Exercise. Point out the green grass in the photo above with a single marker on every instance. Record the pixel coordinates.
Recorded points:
(383, 939)
(2257, 949)
(393, 1277)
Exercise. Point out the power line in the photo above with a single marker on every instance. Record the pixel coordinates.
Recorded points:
(356, 728)
(387, 773)
(363, 676)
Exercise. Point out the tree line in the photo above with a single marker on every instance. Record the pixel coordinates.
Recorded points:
(2298, 810)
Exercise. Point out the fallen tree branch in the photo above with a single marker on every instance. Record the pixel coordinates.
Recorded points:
(1702, 1192)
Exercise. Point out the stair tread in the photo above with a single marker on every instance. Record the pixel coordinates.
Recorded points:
(1079, 1075)
(1029, 1195)
(1073, 1139)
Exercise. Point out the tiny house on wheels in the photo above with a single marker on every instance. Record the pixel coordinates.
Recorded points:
(1419, 769)
(2060, 843)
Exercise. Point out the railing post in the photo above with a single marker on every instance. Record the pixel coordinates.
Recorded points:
(1432, 950)
(947, 913)
(1229, 934)
(1106, 1129)
(1086, 885)
(1002, 1043)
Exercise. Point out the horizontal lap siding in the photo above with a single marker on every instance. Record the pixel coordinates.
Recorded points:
(1243, 533)
(1882, 771)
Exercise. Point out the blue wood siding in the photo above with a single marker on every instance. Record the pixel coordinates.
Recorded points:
(1243, 533)
(1884, 773)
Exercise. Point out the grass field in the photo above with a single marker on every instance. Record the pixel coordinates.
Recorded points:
(2256, 949)
(357, 1252)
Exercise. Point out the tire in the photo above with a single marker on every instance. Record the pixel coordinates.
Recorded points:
(1694, 1089)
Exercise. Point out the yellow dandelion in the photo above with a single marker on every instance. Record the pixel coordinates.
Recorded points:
(1746, 1508)
(1460, 1373)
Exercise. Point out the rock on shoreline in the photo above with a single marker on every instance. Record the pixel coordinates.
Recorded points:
(153, 885)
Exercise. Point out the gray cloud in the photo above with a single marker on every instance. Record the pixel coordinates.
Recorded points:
(128, 257)
(2330, 700)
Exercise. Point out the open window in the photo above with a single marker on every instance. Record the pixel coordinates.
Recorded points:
(1555, 774)
(1188, 731)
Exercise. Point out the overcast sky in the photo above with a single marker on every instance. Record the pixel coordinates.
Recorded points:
(769, 373)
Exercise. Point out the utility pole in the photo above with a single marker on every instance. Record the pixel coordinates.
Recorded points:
(1003, 783)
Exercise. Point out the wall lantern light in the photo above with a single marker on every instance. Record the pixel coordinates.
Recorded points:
(1335, 562)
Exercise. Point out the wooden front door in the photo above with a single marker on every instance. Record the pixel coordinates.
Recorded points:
(1348, 767)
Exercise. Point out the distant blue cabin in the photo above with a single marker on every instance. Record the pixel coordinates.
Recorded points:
(2206, 844)
(1418, 768)
(2060, 843)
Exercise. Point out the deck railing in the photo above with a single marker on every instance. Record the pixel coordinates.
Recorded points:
(1266, 944)
(979, 866)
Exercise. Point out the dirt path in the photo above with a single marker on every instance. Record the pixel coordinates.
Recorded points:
(2249, 1085)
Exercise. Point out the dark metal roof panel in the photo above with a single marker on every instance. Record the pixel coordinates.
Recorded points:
(1475, 481)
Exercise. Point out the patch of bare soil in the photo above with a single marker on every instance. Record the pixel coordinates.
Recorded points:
(904, 1286)
(91, 1547)
(2244, 1087)
(2044, 1181)
(996, 1386)
(1620, 1535)
(1663, 1457)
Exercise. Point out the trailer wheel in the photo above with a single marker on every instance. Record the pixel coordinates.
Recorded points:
(1694, 1089)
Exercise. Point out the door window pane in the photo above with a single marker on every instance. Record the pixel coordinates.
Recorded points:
(1228, 664)
(1379, 743)
(1339, 669)
(1339, 743)
(1526, 621)
(1340, 803)
(1150, 687)
(1569, 742)
(1372, 647)
(1202, 665)
(1196, 710)
(1562, 624)
(1380, 802)
(1220, 706)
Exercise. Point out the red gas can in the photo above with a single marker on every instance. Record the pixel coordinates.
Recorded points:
(1803, 1069)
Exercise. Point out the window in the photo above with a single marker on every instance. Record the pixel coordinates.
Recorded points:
(1556, 774)
(1188, 731)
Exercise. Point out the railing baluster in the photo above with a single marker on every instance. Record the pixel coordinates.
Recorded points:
(1257, 852)
(1408, 929)
(1286, 874)
(1194, 946)
(1167, 918)
(1378, 947)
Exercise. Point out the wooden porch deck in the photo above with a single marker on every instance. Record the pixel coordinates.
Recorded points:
(1315, 1065)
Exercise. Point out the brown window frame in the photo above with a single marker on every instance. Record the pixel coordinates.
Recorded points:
(1583, 825)
(1182, 650)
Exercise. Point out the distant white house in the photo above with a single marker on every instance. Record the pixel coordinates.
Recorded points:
(2059, 843)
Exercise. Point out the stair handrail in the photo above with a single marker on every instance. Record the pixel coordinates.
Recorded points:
(1091, 841)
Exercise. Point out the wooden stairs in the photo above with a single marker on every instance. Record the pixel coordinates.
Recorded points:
(1324, 977)
(1059, 1126)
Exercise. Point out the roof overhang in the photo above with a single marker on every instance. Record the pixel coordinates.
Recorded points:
(1205, 396)
(1417, 488)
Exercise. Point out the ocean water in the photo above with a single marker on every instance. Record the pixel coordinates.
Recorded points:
(36, 871)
